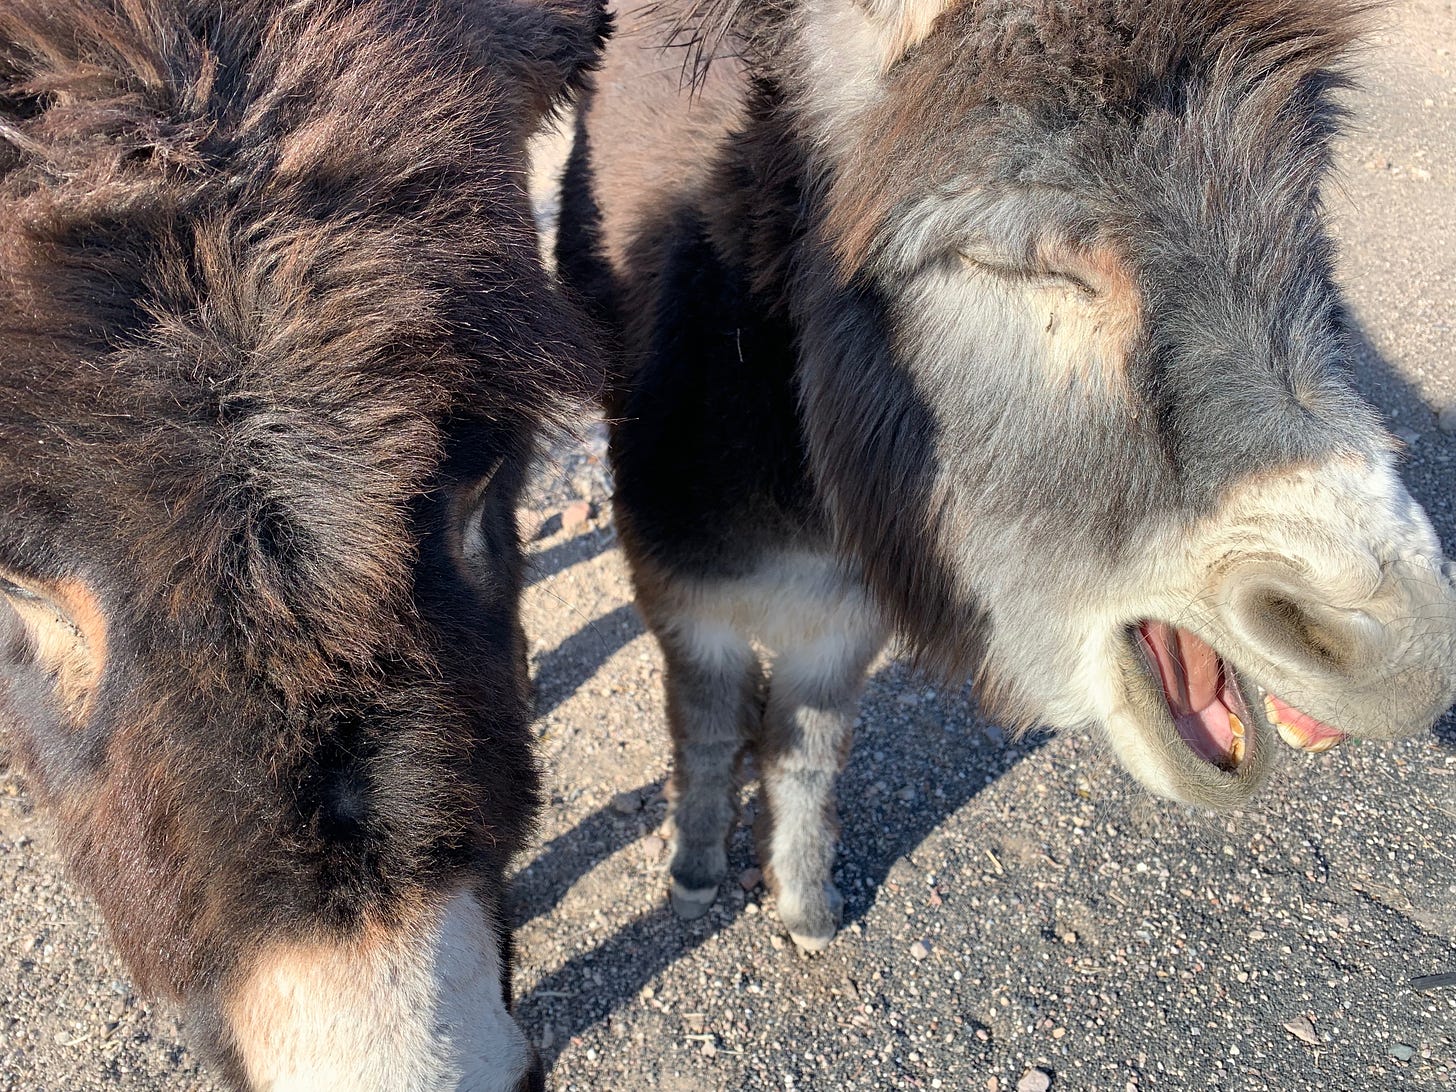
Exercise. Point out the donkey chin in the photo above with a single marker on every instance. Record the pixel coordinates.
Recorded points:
(1304, 632)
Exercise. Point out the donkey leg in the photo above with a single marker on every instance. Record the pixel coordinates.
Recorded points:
(712, 705)
(812, 700)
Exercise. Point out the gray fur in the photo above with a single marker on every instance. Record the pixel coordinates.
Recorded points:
(1049, 285)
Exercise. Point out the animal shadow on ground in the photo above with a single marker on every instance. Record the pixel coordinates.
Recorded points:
(571, 664)
(555, 559)
(944, 754)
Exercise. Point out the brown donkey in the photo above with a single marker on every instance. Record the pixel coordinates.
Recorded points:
(274, 342)
(1010, 324)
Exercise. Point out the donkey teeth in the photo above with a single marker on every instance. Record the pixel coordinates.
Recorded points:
(1236, 745)
(1288, 734)
(1320, 746)
(1292, 736)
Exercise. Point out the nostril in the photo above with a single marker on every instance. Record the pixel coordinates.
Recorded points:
(1296, 631)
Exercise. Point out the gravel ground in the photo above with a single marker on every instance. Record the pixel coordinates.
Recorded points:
(1018, 911)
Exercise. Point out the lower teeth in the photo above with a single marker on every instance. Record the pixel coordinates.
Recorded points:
(1293, 738)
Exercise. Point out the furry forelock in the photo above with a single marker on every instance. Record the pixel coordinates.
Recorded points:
(1252, 80)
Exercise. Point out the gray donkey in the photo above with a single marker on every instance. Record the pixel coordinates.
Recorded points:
(1010, 324)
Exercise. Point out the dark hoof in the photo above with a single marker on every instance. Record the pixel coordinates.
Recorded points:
(692, 902)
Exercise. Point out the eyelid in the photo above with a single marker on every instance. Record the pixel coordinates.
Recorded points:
(1012, 271)
(9, 587)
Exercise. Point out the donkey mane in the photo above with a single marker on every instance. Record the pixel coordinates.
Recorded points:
(238, 252)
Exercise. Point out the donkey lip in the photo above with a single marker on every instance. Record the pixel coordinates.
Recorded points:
(1202, 694)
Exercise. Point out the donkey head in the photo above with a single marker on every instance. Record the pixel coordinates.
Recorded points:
(1076, 372)
(274, 342)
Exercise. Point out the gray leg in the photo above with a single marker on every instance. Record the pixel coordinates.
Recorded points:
(812, 700)
(713, 680)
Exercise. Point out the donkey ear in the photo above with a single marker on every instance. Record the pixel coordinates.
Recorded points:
(549, 47)
(64, 634)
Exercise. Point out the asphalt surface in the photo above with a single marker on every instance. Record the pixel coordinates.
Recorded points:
(1011, 905)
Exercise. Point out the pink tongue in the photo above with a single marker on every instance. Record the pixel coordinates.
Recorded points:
(1193, 685)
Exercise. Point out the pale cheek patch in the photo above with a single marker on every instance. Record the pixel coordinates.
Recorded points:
(1106, 327)
(417, 1008)
(1087, 325)
(1045, 330)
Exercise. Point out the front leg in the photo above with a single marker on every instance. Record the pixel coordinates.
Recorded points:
(808, 724)
(713, 679)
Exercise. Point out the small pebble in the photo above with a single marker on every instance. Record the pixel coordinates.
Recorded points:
(1446, 418)
(1034, 1080)
(653, 846)
(1302, 1028)
(1401, 1052)
(626, 803)
(777, 942)
(992, 1084)
(575, 515)
(750, 878)
(920, 950)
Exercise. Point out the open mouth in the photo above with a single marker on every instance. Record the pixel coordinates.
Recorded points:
(1210, 706)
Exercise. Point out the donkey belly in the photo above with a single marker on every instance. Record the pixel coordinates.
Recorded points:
(794, 605)
(707, 447)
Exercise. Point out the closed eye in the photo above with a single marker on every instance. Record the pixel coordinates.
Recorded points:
(1028, 274)
(15, 591)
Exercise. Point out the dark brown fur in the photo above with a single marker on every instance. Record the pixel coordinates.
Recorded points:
(270, 301)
